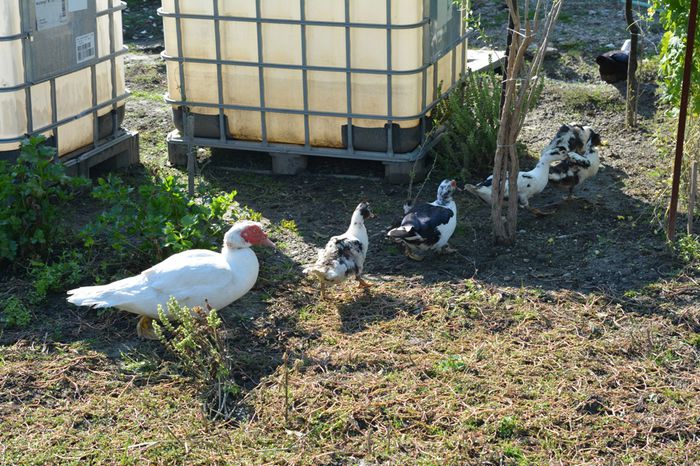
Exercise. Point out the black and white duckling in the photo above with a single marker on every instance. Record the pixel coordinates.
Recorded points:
(577, 168)
(344, 255)
(530, 183)
(428, 226)
(613, 65)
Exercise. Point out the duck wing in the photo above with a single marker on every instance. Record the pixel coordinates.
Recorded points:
(486, 183)
(189, 276)
(189, 273)
(351, 252)
(421, 224)
(342, 255)
(568, 168)
(613, 57)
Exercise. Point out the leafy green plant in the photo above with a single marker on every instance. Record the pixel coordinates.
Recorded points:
(514, 453)
(194, 337)
(689, 248)
(470, 115)
(290, 226)
(453, 363)
(673, 15)
(66, 271)
(507, 428)
(157, 219)
(15, 313)
(33, 193)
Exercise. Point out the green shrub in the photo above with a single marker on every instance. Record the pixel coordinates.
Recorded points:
(689, 248)
(673, 15)
(194, 337)
(157, 219)
(470, 115)
(15, 313)
(33, 194)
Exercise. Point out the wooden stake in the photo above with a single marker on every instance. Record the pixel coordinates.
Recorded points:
(191, 153)
(691, 195)
(519, 93)
(632, 84)
(285, 360)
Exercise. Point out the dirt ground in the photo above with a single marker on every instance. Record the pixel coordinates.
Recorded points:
(577, 345)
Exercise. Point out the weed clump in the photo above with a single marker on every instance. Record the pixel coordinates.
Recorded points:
(689, 249)
(15, 313)
(470, 115)
(67, 270)
(194, 338)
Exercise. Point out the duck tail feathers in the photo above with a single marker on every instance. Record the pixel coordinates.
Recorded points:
(401, 232)
(486, 197)
(321, 272)
(93, 296)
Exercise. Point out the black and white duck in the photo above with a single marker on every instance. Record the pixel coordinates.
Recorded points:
(613, 65)
(344, 255)
(579, 165)
(428, 227)
(530, 183)
(573, 138)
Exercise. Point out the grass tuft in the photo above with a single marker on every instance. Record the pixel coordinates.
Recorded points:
(194, 337)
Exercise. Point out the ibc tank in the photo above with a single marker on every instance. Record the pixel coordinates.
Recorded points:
(348, 78)
(62, 72)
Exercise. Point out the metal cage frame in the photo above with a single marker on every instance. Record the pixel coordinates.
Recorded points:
(98, 145)
(265, 145)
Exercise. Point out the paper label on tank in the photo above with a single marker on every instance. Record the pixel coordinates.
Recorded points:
(85, 47)
(51, 13)
(77, 5)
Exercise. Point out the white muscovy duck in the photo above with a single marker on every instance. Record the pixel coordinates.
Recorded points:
(344, 255)
(428, 226)
(577, 167)
(194, 278)
(530, 183)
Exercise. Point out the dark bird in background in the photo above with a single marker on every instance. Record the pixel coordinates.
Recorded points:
(613, 65)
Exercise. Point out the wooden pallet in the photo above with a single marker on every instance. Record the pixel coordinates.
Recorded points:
(120, 152)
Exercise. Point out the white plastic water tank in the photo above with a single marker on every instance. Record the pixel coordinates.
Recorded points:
(299, 71)
(62, 72)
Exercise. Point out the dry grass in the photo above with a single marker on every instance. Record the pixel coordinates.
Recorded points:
(442, 374)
